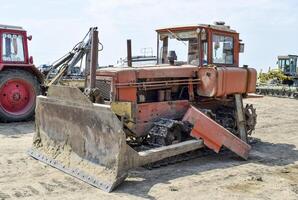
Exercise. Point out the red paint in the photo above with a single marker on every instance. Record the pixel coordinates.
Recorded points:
(23, 33)
(210, 31)
(225, 81)
(26, 64)
(129, 82)
(214, 135)
(148, 112)
(16, 96)
(222, 81)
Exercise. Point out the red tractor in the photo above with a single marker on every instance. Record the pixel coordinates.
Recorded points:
(20, 80)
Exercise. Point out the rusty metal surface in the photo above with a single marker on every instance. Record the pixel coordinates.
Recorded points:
(126, 80)
(77, 136)
(75, 172)
(211, 81)
(194, 28)
(129, 53)
(214, 135)
(240, 118)
(94, 57)
(221, 81)
(155, 71)
(74, 131)
(148, 112)
(155, 84)
(251, 80)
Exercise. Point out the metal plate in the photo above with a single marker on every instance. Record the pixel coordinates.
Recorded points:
(72, 171)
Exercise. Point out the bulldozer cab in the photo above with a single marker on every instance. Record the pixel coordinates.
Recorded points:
(199, 45)
(288, 64)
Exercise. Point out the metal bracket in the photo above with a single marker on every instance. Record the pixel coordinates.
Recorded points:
(213, 134)
(241, 123)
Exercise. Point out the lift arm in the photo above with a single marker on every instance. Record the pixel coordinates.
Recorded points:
(70, 60)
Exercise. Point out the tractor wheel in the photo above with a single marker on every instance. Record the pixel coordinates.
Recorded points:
(18, 90)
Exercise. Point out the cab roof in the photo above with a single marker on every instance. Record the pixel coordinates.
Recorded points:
(287, 56)
(217, 26)
(11, 27)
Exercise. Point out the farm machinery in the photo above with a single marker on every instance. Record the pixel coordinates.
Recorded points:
(150, 116)
(19, 79)
(281, 82)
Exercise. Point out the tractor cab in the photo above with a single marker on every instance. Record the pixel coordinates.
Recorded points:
(14, 45)
(199, 45)
(288, 64)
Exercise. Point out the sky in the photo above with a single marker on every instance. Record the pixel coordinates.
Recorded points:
(267, 27)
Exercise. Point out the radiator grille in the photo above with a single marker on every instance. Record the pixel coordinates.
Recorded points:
(105, 88)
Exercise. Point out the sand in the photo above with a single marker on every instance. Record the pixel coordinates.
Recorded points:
(270, 173)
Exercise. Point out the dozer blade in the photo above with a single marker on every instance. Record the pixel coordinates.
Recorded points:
(87, 141)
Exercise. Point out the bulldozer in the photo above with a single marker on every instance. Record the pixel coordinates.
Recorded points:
(129, 116)
(20, 80)
(282, 81)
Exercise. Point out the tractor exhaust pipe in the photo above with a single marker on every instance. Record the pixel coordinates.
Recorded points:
(129, 54)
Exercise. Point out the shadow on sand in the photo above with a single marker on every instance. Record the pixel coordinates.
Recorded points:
(265, 153)
(16, 129)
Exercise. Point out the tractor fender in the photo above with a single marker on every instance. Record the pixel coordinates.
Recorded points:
(27, 67)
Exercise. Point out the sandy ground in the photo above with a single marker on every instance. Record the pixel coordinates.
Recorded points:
(270, 173)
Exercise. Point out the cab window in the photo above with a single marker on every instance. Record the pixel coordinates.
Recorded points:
(12, 48)
(205, 53)
(287, 65)
(222, 48)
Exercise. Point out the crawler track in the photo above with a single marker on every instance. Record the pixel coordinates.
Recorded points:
(291, 93)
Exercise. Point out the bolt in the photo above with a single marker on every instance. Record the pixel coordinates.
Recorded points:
(16, 96)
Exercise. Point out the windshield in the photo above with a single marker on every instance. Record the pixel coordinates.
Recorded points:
(187, 50)
(12, 48)
(222, 48)
(288, 65)
(180, 48)
(182, 44)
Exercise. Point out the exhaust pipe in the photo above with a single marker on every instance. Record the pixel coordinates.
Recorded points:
(129, 54)
(94, 57)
